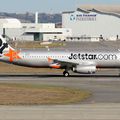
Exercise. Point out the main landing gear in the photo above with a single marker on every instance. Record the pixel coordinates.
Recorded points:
(66, 73)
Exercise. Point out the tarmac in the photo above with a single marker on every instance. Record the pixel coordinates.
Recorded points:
(104, 85)
(104, 104)
(61, 112)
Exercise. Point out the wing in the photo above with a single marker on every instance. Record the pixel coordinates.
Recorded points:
(55, 63)
(65, 63)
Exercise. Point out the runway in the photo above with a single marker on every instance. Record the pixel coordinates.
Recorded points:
(61, 112)
(104, 104)
(104, 88)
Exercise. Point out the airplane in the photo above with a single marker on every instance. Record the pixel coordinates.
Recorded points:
(76, 61)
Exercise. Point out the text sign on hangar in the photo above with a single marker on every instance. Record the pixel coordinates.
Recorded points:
(83, 17)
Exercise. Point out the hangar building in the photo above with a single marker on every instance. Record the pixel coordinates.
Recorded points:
(16, 30)
(92, 23)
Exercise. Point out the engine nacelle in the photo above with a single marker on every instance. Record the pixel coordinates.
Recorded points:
(84, 69)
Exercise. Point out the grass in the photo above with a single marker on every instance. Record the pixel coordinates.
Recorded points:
(10, 68)
(31, 94)
(34, 44)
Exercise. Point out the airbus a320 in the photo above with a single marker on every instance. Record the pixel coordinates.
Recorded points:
(76, 61)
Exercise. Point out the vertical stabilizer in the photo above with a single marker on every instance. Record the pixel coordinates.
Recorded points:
(4, 46)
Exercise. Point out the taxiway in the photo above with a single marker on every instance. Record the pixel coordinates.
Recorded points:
(104, 104)
(104, 86)
(61, 112)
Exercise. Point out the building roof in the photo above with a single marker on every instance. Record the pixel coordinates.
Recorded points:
(94, 10)
(106, 8)
(10, 23)
(106, 13)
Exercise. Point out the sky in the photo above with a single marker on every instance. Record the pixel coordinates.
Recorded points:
(47, 6)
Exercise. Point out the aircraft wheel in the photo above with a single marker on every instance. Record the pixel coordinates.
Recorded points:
(66, 74)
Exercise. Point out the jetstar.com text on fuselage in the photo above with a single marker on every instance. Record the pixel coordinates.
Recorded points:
(86, 56)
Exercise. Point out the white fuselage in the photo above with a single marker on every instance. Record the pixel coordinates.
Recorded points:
(36, 58)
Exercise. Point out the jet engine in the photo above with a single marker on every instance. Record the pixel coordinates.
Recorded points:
(84, 69)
